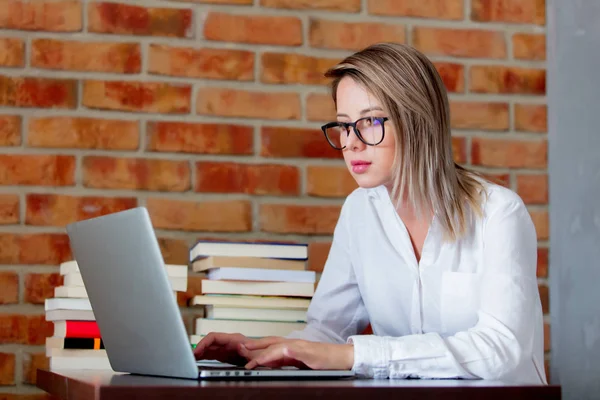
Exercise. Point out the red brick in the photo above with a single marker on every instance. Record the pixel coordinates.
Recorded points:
(531, 117)
(83, 133)
(204, 63)
(7, 369)
(453, 76)
(136, 173)
(39, 287)
(301, 219)
(295, 142)
(479, 115)
(295, 68)
(541, 222)
(499, 179)
(513, 11)
(125, 19)
(542, 262)
(9, 248)
(529, 46)
(38, 92)
(149, 97)
(194, 288)
(545, 298)
(215, 216)
(9, 209)
(31, 363)
(547, 343)
(459, 149)
(317, 255)
(9, 282)
(87, 56)
(24, 329)
(333, 34)
(320, 107)
(533, 189)
(460, 42)
(329, 181)
(42, 15)
(253, 29)
(438, 9)
(200, 138)
(257, 179)
(330, 5)
(250, 104)
(174, 251)
(509, 153)
(12, 52)
(37, 169)
(39, 248)
(10, 130)
(60, 210)
(507, 80)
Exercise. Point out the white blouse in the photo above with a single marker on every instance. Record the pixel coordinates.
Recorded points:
(469, 309)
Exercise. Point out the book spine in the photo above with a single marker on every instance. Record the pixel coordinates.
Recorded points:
(82, 329)
(84, 343)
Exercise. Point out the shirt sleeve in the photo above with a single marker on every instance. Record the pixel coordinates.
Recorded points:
(508, 311)
(336, 310)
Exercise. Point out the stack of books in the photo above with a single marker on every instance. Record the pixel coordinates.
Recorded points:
(76, 342)
(256, 289)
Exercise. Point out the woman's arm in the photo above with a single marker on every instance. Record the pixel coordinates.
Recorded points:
(336, 310)
(508, 314)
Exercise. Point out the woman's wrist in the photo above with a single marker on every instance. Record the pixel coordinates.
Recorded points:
(349, 356)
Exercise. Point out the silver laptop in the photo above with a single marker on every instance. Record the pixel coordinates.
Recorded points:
(140, 322)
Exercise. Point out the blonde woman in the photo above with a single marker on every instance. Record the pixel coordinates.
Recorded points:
(439, 261)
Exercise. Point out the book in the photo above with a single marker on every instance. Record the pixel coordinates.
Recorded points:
(209, 262)
(80, 363)
(257, 274)
(57, 342)
(254, 329)
(242, 301)
(255, 314)
(73, 315)
(76, 329)
(295, 251)
(57, 303)
(75, 353)
(294, 289)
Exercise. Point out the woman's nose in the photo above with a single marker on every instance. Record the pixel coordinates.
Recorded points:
(353, 143)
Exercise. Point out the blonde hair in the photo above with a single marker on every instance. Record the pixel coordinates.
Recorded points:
(424, 173)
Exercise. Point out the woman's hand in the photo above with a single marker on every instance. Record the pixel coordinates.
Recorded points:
(298, 353)
(226, 347)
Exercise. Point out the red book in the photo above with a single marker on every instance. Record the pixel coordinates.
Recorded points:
(76, 329)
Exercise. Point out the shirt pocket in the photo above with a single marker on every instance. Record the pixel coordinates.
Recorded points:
(460, 295)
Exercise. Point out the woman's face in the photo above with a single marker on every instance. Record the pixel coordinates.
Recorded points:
(370, 166)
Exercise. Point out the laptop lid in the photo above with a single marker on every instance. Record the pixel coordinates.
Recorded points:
(127, 284)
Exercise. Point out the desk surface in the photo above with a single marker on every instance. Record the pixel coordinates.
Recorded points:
(100, 385)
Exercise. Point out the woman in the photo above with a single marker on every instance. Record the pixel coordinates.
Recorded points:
(439, 261)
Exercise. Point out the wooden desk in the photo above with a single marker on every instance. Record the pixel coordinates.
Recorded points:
(101, 385)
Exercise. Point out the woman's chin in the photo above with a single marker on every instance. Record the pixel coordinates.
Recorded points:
(367, 182)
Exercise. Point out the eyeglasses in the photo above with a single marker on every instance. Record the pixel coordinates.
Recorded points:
(369, 130)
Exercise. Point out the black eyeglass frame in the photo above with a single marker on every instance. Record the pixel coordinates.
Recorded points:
(347, 125)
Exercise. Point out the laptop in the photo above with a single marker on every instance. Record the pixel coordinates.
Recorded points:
(124, 274)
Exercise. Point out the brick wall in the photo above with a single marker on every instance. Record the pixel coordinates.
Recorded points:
(207, 112)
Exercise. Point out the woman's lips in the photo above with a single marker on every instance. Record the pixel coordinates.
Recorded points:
(360, 166)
